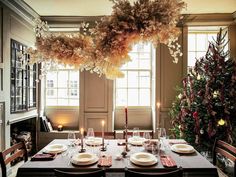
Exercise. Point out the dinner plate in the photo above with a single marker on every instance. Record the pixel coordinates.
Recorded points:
(182, 148)
(136, 141)
(143, 159)
(93, 141)
(84, 159)
(55, 148)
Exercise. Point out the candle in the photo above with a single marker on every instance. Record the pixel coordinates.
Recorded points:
(59, 127)
(82, 141)
(126, 116)
(158, 105)
(103, 148)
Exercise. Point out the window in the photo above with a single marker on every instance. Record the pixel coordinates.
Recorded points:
(198, 41)
(62, 87)
(135, 88)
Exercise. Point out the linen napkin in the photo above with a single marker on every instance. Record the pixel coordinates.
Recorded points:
(167, 161)
(43, 157)
(105, 161)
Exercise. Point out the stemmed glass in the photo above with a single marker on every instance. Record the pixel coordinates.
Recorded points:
(161, 133)
(136, 133)
(71, 138)
(147, 135)
(90, 133)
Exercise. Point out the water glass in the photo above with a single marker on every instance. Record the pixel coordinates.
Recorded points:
(71, 138)
(161, 134)
(136, 132)
(90, 133)
(147, 135)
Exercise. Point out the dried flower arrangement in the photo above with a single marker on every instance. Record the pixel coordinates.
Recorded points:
(107, 48)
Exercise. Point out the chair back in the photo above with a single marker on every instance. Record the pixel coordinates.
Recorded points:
(107, 135)
(174, 173)
(226, 150)
(10, 154)
(130, 133)
(99, 173)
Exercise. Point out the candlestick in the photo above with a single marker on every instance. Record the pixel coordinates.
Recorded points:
(103, 148)
(126, 130)
(82, 140)
(126, 116)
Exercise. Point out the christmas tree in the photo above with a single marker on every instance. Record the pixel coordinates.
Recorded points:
(205, 107)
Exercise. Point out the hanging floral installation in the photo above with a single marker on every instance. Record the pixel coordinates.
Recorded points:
(105, 49)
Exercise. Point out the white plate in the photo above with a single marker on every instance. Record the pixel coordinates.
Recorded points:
(182, 148)
(143, 159)
(55, 148)
(84, 159)
(136, 141)
(93, 141)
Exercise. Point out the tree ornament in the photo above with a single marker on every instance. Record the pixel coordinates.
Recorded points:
(221, 122)
(202, 131)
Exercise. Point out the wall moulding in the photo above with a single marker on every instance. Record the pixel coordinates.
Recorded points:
(208, 19)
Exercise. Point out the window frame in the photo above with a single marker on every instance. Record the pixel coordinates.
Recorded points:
(138, 70)
(69, 97)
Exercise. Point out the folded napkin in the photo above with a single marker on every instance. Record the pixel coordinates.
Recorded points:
(167, 161)
(105, 161)
(43, 157)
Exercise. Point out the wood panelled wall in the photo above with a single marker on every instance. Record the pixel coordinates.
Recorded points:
(12, 26)
(96, 93)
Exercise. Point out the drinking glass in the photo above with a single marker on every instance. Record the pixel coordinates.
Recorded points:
(161, 133)
(147, 135)
(71, 138)
(90, 133)
(136, 133)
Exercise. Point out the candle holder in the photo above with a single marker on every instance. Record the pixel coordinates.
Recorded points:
(126, 139)
(103, 148)
(60, 128)
(82, 146)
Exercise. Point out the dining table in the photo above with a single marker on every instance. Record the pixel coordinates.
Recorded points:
(193, 164)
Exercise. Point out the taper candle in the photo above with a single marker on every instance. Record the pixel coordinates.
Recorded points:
(126, 116)
(103, 127)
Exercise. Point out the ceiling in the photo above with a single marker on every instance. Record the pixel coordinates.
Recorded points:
(104, 7)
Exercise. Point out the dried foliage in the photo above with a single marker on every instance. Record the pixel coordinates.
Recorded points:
(106, 50)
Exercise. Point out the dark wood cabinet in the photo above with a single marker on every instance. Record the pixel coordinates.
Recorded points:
(23, 79)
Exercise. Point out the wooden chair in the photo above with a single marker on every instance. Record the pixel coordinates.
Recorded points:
(174, 173)
(10, 154)
(99, 173)
(130, 133)
(226, 150)
(107, 135)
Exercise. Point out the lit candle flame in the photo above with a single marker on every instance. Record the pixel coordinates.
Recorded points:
(82, 131)
(221, 122)
(158, 105)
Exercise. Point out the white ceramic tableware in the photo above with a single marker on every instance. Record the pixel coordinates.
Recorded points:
(182, 148)
(84, 159)
(143, 159)
(55, 148)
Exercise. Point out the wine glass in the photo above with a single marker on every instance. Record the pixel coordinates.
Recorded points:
(136, 133)
(71, 138)
(90, 135)
(161, 133)
(147, 135)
